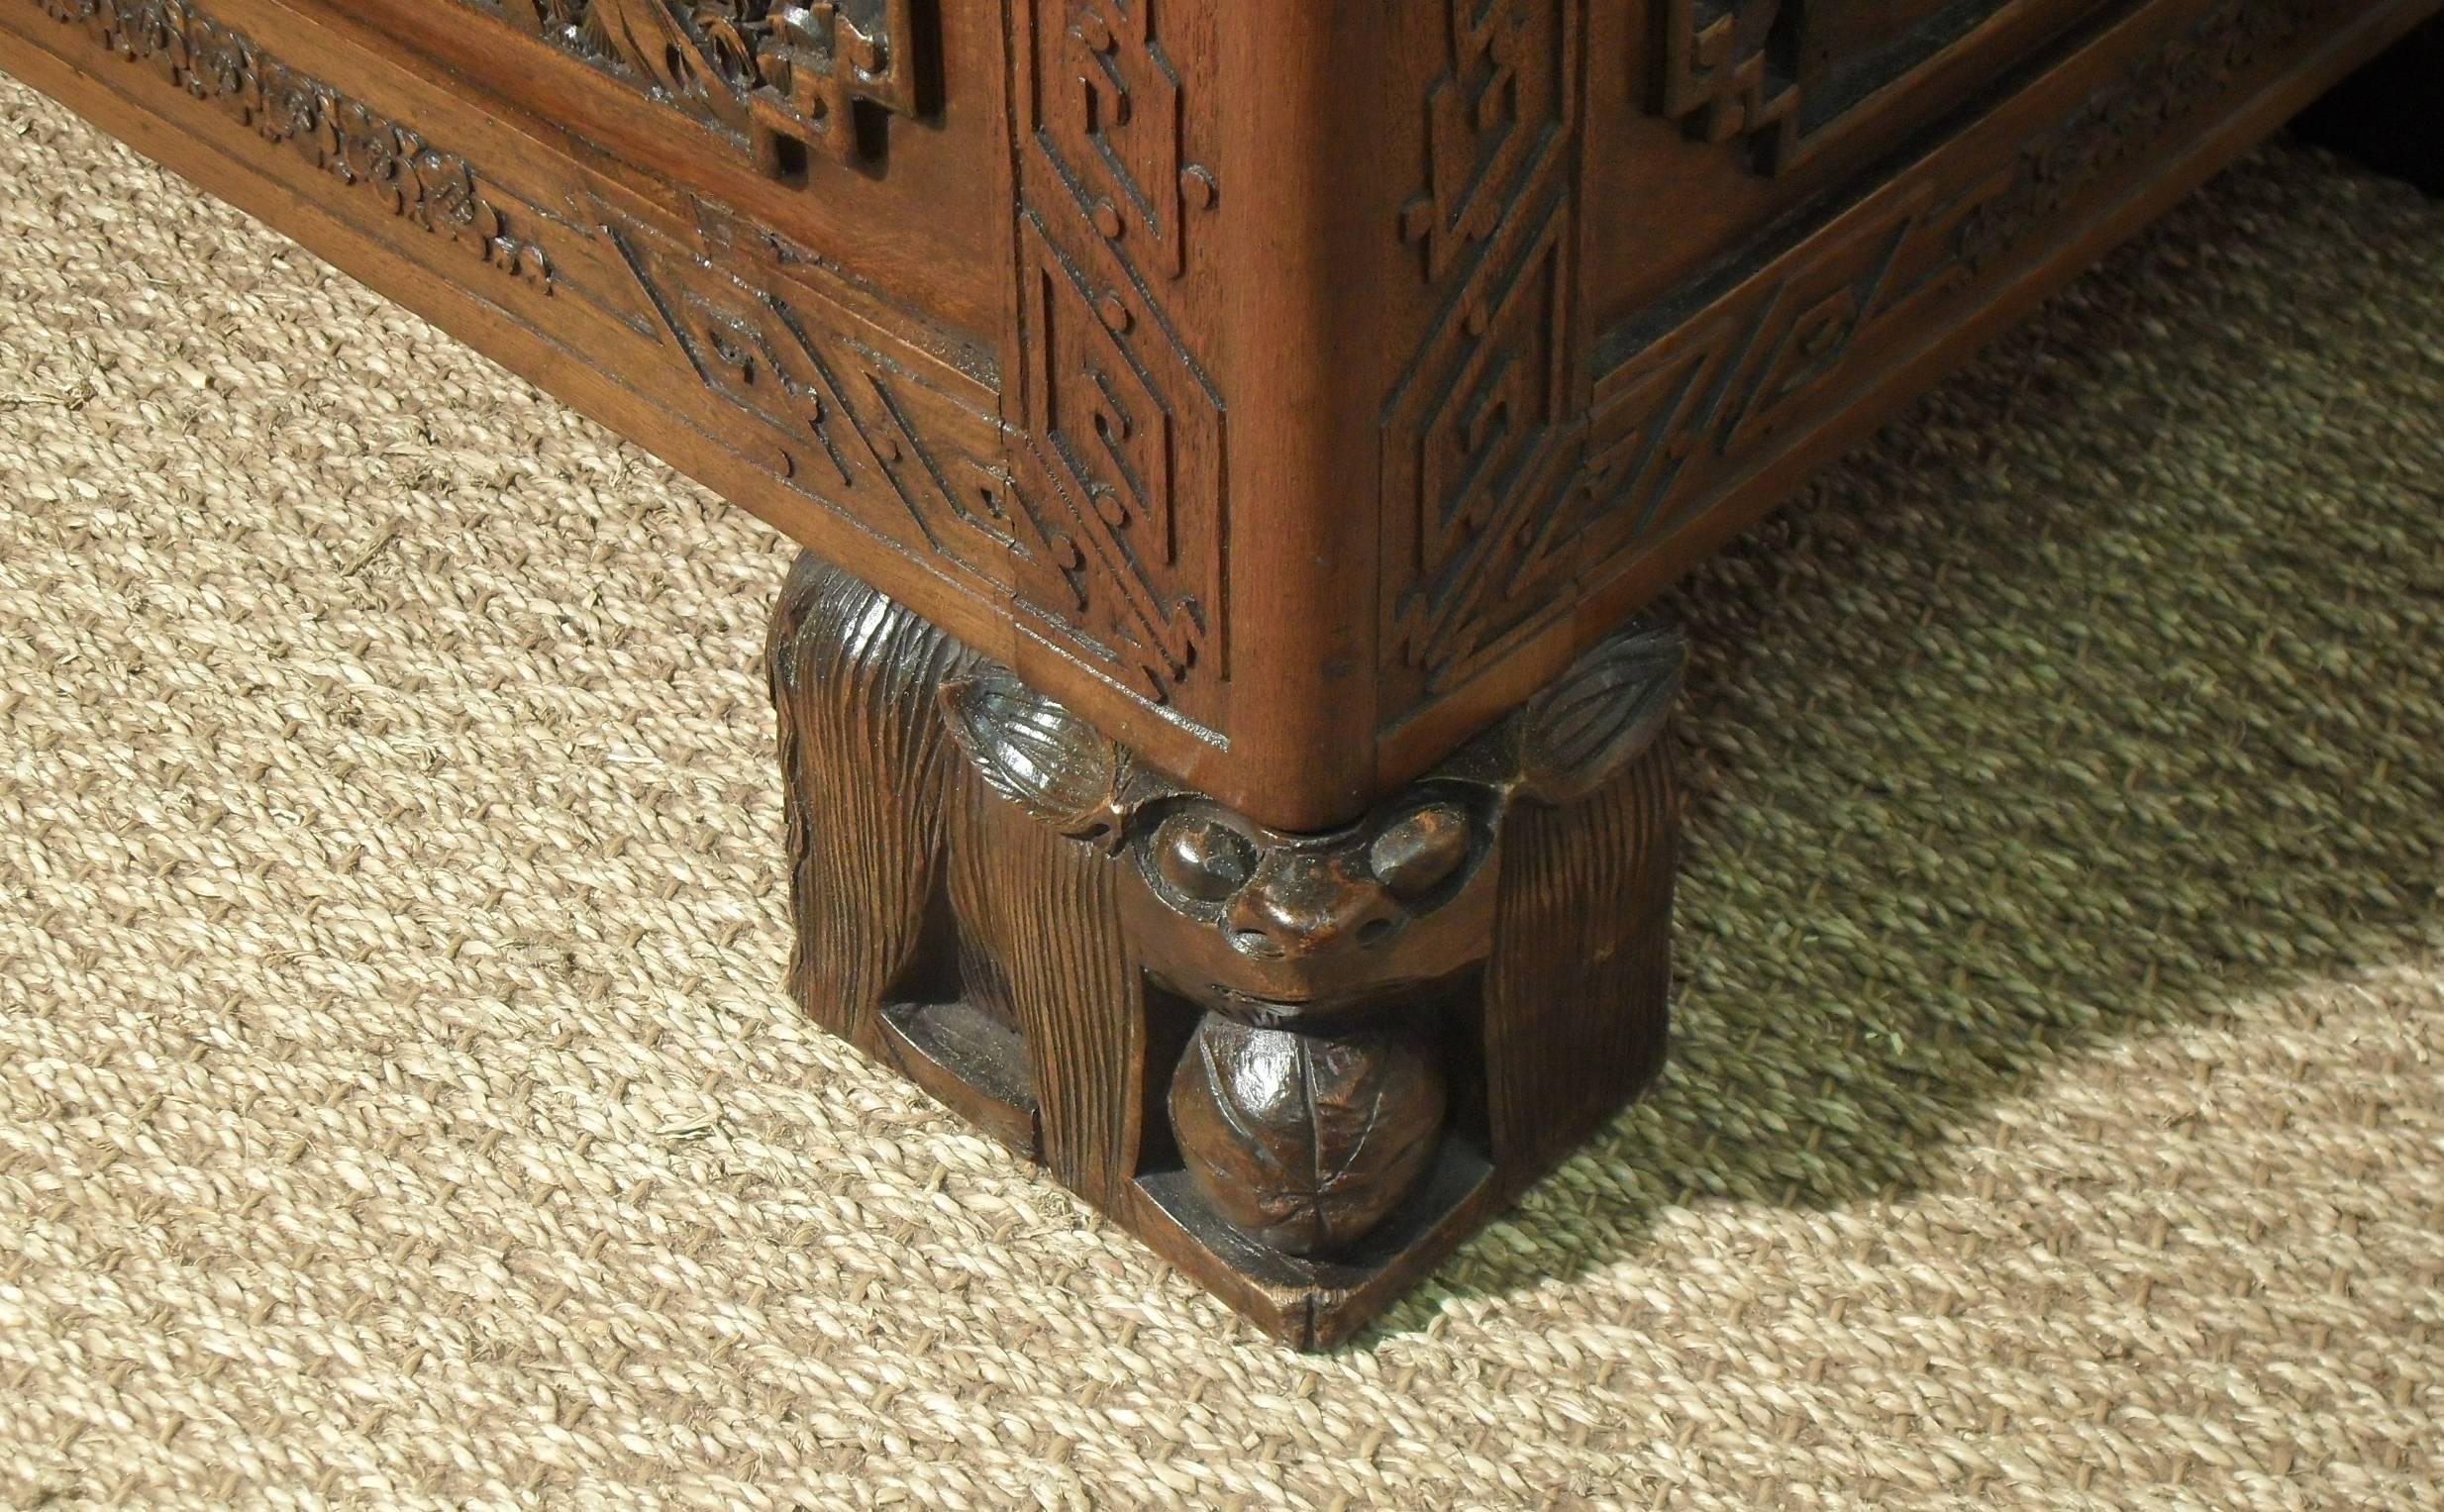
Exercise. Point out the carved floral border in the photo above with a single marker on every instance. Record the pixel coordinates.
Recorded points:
(345, 137)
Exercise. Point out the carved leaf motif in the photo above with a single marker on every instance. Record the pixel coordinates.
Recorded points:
(1305, 1142)
(648, 36)
(1608, 707)
(770, 71)
(1035, 752)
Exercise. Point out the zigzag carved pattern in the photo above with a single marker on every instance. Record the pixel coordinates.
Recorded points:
(841, 412)
(1687, 414)
(837, 414)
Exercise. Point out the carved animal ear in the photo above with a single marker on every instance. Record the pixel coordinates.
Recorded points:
(1603, 712)
(1035, 752)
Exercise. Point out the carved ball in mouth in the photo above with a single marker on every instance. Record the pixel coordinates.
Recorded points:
(1306, 1142)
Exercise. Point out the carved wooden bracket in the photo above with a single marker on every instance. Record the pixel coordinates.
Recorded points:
(1301, 1064)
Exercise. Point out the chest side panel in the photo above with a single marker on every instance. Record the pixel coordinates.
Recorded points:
(1781, 218)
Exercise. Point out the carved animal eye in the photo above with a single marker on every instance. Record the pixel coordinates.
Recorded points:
(1419, 852)
(1201, 857)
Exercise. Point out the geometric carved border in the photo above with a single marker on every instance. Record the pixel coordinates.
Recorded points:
(1682, 413)
(840, 417)
(1482, 428)
(1675, 422)
(1122, 448)
(849, 420)
(1738, 70)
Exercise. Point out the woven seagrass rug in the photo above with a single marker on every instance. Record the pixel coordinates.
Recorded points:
(397, 1107)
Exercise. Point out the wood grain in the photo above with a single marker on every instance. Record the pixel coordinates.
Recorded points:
(1051, 922)
(866, 773)
(1575, 986)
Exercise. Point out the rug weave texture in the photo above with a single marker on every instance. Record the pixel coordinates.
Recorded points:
(397, 1108)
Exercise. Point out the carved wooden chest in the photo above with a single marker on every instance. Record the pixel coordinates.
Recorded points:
(1233, 439)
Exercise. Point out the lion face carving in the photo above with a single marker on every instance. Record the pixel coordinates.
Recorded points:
(1272, 928)
(1288, 929)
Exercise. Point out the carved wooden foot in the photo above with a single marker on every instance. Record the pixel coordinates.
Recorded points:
(1302, 1067)
(2386, 115)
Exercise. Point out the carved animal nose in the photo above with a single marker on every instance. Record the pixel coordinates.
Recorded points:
(1303, 906)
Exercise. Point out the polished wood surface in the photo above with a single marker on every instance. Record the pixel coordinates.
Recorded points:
(1233, 442)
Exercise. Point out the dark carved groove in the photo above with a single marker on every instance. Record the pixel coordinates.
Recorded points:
(1769, 75)
(1729, 70)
